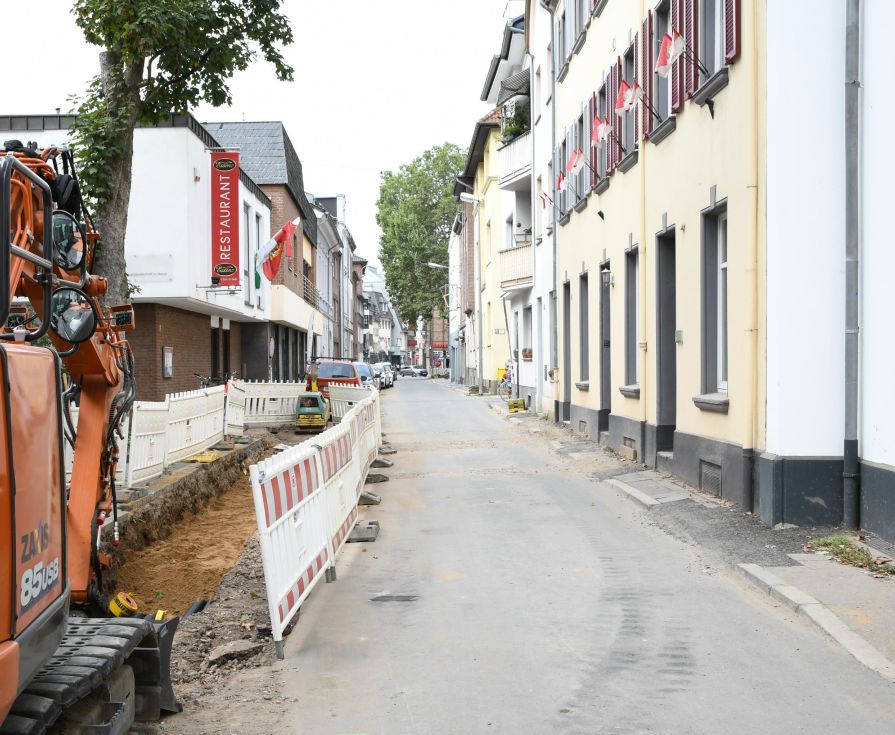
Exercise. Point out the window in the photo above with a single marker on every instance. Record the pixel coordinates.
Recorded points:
(632, 317)
(662, 87)
(628, 118)
(246, 255)
(711, 34)
(714, 301)
(526, 334)
(582, 12)
(579, 179)
(584, 329)
(258, 246)
(722, 303)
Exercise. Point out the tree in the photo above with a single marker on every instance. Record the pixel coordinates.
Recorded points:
(415, 211)
(159, 57)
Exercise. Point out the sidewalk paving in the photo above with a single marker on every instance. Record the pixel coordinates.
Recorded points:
(848, 604)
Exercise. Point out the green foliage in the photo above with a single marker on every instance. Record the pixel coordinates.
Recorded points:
(843, 548)
(163, 56)
(415, 211)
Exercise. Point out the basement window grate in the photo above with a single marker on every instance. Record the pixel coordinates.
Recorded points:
(628, 442)
(710, 477)
(582, 427)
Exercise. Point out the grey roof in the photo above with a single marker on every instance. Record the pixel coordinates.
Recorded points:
(268, 156)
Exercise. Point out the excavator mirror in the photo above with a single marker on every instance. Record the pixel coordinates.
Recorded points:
(73, 317)
(68, 240)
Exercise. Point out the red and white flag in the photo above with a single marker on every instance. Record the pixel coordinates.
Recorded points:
(561, 182)
(576, 161)
(623, 89)
(602, 128)
(271, 253)
(633, 96)
(545, 199)
(669, 52)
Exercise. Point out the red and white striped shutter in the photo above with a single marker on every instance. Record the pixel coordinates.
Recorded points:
(611, 94)
(691, 36)
(731, 30)
(646, 61)
(677, 72)
(633, 115)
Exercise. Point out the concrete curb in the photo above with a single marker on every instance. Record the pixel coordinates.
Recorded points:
(645, 500)
(822, 617)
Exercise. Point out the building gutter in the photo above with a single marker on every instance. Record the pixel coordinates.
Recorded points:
(851, 473)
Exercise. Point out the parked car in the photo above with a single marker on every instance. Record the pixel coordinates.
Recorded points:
(378, 377)
(367, 377)
(336, 371)
(408, 370)
(388, 376)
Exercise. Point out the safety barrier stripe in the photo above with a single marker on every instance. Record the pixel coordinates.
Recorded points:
(346, 526)
(282, 492)
(296, 592)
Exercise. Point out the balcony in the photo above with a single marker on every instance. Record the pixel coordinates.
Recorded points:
(517, 266)
(310, 293)
(515, 163)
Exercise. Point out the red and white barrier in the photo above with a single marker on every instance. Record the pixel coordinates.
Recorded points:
(306, 505)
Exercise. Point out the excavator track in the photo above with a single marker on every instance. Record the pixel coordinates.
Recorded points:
(94, 662)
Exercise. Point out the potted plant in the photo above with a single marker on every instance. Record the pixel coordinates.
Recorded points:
(526, 353)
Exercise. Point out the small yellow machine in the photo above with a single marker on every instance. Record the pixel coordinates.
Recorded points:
(313, 413)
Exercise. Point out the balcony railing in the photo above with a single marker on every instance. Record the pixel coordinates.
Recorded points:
(515, 159)
(310, 293)
(516, 266)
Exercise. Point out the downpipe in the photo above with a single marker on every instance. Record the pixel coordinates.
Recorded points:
(851, 471)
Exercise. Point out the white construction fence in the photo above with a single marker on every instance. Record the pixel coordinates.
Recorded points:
(306, 505)
(159, 433)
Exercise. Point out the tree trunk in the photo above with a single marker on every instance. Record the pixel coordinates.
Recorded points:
(121, 85)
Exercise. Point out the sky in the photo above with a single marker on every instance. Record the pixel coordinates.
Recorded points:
(376, 84)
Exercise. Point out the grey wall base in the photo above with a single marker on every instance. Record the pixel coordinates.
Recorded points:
(690, 450)
(803, 491)
(528, 394)
(657, 439)
(585, 421)
(622, 428)
(878, 500)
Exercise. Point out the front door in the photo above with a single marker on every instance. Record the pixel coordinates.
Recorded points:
(666, 320)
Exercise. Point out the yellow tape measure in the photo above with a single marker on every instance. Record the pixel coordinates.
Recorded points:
(122, 605)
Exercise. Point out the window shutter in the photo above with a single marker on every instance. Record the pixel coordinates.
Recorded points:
(611, 94)
(731, 30)
(646, 54)
(619, 75)
(691, 36)
(592, 150)
(633, 117)
(677, 72)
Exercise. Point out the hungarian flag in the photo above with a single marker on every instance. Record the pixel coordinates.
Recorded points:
(670, 51)
(271, 253)
(576, 161)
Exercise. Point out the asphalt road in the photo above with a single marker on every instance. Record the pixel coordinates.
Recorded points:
(509, 592)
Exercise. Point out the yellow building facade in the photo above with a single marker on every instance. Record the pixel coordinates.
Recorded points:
(660, 237)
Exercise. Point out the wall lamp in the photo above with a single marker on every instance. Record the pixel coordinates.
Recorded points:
(606, 278)
(469, 198)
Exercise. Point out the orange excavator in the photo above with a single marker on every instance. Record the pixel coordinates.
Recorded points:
(66, 663)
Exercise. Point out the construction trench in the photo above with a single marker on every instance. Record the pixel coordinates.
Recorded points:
(191, 536)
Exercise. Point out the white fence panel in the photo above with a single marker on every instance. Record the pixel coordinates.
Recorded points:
(342, 398)
(236, 409)
(195, 422)
(306, 505)
(148, 445)
(121, 473)
(271, 404)
(291, 509)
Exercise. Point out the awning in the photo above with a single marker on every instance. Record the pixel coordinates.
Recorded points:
(513, 85)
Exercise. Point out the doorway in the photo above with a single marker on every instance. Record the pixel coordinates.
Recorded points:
(605, 348)
(566, 352)
(666, 353)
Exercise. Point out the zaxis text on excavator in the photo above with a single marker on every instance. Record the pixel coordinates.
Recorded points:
(66, 664)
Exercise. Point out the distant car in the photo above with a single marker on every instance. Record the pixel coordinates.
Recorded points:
(378, 377)
(334, 371)
(388, 375)
(367, 377)
(407, 370)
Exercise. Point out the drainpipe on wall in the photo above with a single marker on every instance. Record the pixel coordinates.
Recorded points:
(550, 7)
(851, 477)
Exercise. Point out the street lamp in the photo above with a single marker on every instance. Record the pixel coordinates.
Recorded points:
(438, 265)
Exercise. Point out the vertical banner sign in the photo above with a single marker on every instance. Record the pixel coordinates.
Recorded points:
(225, 217)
